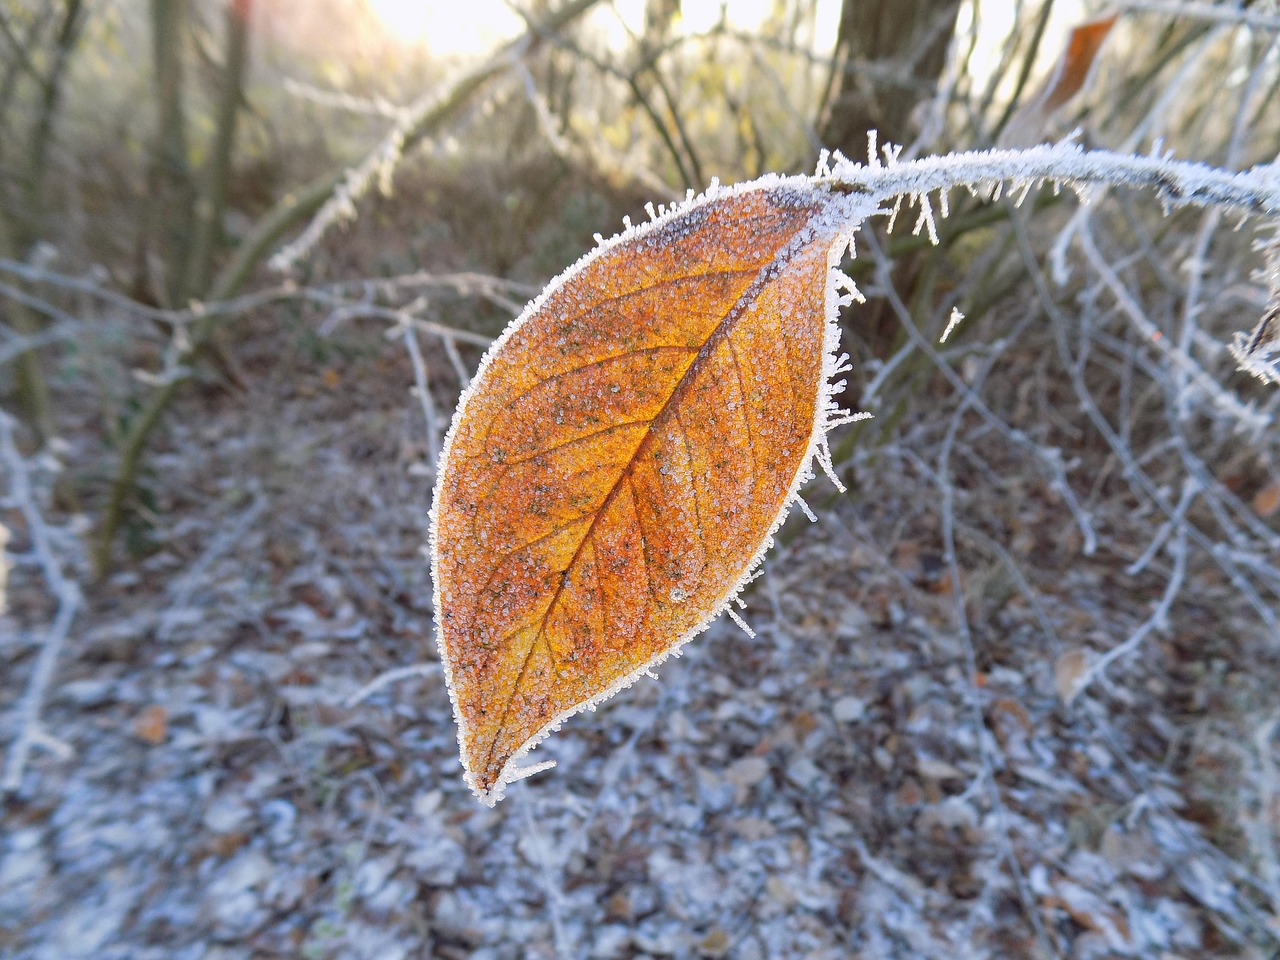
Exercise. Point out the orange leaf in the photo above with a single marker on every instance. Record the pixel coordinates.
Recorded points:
(1267, 500)
(1064, 82)
(1077, 60)
(152, 725)
(626, 451)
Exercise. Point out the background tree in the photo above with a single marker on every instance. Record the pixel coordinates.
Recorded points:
(39, 41)
(887, 61)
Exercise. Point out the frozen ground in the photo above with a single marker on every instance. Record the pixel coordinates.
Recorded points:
(872, 775)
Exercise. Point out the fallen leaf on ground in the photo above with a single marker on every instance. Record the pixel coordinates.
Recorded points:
(1068, 673)
(1267, 500)
(152, 725)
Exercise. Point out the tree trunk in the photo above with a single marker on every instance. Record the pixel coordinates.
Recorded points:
(22, 214)
(212, 204)
(887, 61)
(888, 58)
(173, 200)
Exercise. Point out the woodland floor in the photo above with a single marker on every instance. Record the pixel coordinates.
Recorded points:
(863, 778)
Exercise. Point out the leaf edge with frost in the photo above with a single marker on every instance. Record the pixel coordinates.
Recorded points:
(841, 215)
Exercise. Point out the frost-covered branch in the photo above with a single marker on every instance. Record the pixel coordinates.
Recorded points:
(1159, 618)
(338, 100)
(422, 387)
(379, 165)
(507, 294)
(1217, 13)
(388, 677)
(1259, 351)
(886, 179)
(1178, 181)
(66, 592)
(1196, 379)
(416, 122)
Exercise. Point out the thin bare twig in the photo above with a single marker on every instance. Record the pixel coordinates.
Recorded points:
(67, 594)
(1159, 618)
(422, 388)
(494, 289)
(1215, 13)
(389, 677)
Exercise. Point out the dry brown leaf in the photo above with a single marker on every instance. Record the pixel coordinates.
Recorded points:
(1064, 82)
(1267, 500)
(152, 725)
(1068, 672)
(625, 453)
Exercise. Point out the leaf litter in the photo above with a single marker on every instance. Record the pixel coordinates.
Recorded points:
(816, 791)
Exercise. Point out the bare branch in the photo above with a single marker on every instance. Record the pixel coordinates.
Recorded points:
(65, 591)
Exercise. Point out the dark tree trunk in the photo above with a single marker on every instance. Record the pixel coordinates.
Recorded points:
(888, 57)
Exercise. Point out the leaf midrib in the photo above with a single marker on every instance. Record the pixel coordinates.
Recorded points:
(764, 276)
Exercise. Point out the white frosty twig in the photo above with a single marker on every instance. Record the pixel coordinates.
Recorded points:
(1218, 13)
(1257, 352)
(422, 388)
(494, 289)
(1244, 415)
(67, 593)
(1159, 618)
(389, 677)
(380, 163)
(1133, 471)
(953, 321)
(338, 100)
(1263, 834)
(1178, 181)
(1049, 457)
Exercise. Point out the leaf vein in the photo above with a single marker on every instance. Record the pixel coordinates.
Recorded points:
(693, 481)
(587, 436)
(656, 349)
(736, 308)
(746, 415)
(644, 540)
